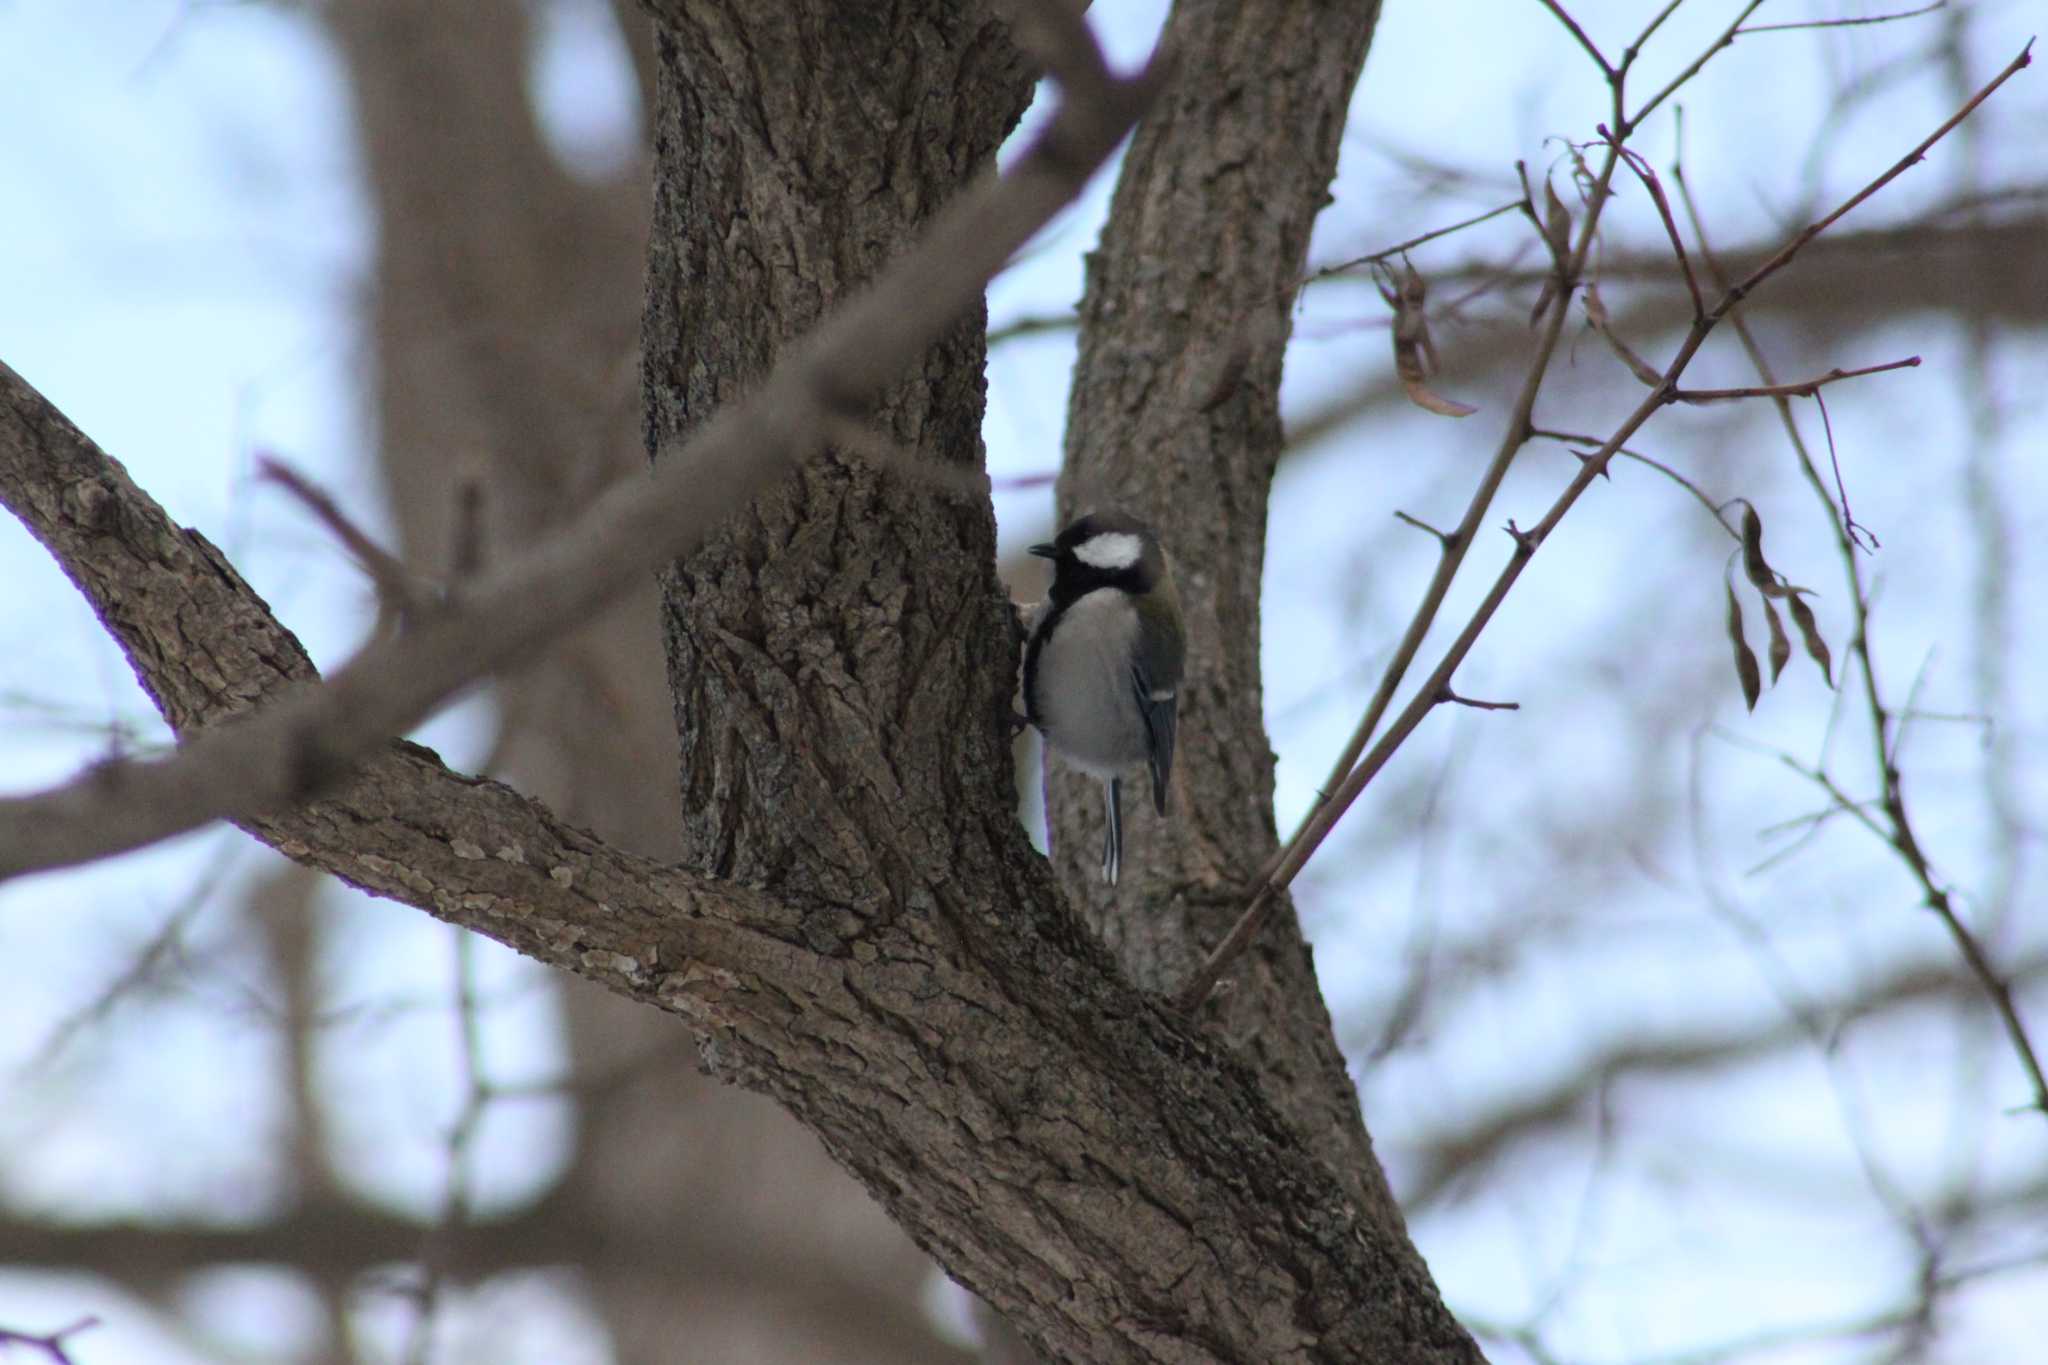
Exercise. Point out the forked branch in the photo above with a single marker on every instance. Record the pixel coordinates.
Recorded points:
(295, 747)
(1350, 780)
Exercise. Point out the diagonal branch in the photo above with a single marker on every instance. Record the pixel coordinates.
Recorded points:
(1897, 831)
(1805, 388)
(304, 743)
(1324, 816)
(1113, 1183)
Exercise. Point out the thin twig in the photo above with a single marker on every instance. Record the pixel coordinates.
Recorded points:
(1446, 696)
(399, 590)
(1572, 27)
(1900, 836)
(1634, 49)
(1628, 124)
(1857, 531)
(1805, 388)
(1656, 190)
(1329, 809)
(1570, 437)
(1848, 23)
(50, 1344)
(1031, 325)
(1443, 538)
(1399, 248)
(1898, 168)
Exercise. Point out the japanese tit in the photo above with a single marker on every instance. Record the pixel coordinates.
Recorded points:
(1102, 660)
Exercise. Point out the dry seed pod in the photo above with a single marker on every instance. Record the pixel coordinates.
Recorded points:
(1809, 631)
(1557, 222)
(1780, 652)
(1753, 565)
(1754, 568)
(1414, 352)
(1745, 658)
(1596, 313)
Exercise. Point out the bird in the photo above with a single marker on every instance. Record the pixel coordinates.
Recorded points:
(1103, 657)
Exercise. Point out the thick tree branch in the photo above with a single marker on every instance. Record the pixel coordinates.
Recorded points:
(305, 742)
(1175, 414)
(344, 1240)
(1070, 1150)
(1443, 1160)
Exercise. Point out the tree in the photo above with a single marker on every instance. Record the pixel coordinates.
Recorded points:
(854, 925)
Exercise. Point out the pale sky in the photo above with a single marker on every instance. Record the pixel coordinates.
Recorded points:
(181, 248)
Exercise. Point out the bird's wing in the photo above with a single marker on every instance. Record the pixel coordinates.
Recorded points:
(1159, 705)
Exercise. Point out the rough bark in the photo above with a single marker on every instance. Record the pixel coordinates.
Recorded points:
(505, 301)
(847, 596)
(1175, 413)
(803, 641)
(1111, 1182)
(1116, 1185)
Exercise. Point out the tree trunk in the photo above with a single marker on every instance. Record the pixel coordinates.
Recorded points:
(889, 958)
(1175, 414)
(502, 320)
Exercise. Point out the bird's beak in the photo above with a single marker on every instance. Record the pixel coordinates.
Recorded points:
(1047, 551)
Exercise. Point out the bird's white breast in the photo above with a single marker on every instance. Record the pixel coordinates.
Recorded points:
(1084, 697)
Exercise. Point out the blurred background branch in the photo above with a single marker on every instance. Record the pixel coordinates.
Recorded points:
(1646, 1089)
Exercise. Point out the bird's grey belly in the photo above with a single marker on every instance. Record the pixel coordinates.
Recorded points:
(1085, 700)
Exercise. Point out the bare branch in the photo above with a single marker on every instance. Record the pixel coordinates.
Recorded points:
(1806, 388)
(1031, 326)
(1634, 49)
(401, 594)
(1453, 1155)
(1657, 197)
(1330, 808)
(1898, 168)
(306, 742)
(1900, 834)
(1443, 538)
(1624, 126)
(1446, 696)
(1573, 437)
(1893, 17)
(51, 1344)
(1579, 34)
(1401, 248)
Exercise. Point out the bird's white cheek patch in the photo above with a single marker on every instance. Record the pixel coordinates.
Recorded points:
(1110, 550)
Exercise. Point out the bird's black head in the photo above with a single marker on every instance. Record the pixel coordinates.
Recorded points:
(1107, 549)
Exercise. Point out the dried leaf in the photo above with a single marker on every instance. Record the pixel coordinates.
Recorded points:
(1809, 631)
(1766, 579)
(1596, 307)
(1423, 397)
(1745, 658)
(1780, 652)
(1414, 352)
(1596, 314)
(1557, 222)
(1753, 565)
